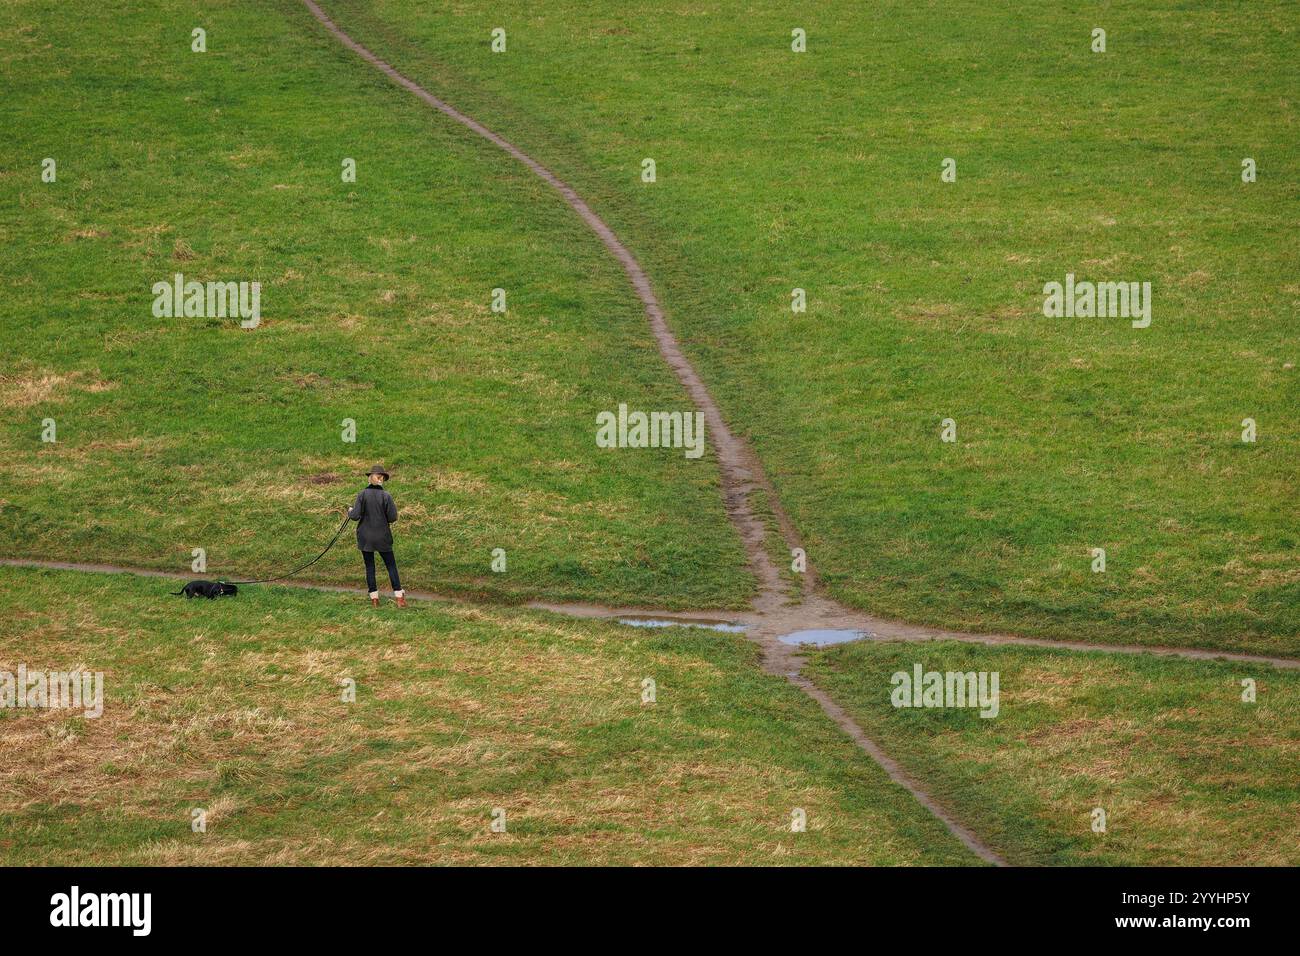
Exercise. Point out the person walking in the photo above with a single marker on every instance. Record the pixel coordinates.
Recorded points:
(374, 511)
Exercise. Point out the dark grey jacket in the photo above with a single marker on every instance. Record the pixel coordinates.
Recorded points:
(374, 511)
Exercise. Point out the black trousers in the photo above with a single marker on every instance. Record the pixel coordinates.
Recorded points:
(390, 563)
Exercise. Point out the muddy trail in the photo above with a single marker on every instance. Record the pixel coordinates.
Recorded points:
(779, 632)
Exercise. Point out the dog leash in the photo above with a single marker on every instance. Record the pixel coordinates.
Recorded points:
(346, 519)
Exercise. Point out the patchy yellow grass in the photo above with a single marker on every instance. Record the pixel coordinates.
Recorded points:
(235, 707)
(24, 390)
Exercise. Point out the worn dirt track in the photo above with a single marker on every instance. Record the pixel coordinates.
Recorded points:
(741, 472)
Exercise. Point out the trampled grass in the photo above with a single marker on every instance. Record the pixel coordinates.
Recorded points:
(1186, 772)
(821, 171)
(234, 707)
(182, 433)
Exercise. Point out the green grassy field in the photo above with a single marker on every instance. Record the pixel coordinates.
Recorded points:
(1186, 772)
(821, 170)
(235, 707)
(775, 170)
(182, 433)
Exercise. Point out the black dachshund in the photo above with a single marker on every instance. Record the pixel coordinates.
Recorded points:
(207, 589)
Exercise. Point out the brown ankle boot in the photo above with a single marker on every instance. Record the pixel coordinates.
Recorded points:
(401, 600)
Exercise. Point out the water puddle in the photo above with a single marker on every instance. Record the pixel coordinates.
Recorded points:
(822, 636)
(729, 626)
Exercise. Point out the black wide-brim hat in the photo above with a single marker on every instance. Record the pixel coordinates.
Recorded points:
(378, 470)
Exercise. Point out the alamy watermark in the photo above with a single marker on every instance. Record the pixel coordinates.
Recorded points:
(923, 688)
(75, 908)
(651, 430)
(212, 300)
(1102, 300)
(53, 690)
